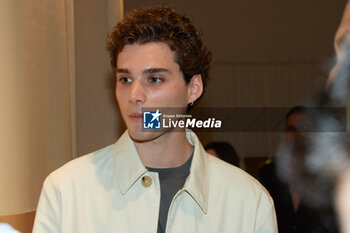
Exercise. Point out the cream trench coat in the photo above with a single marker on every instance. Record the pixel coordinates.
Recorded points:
(110, 191)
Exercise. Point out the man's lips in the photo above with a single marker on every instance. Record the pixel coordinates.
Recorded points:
(136, 117)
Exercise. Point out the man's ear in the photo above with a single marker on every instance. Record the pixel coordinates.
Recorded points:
(195, 88)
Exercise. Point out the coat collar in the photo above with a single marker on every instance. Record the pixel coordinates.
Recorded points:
(197, 184)
(128, 168)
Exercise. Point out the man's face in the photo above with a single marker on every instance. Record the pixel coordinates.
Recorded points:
(294, 121)
(148, 76)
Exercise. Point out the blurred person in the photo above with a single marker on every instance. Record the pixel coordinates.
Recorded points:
(224, 151)
(342, 190)
(158, 181)
(293, 214)
(321, 171)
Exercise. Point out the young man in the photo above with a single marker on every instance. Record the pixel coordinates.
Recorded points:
(159, 181)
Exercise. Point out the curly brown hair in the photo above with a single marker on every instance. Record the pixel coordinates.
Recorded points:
(163, 24)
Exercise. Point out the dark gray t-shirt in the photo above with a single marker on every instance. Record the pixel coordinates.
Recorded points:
(171, 180)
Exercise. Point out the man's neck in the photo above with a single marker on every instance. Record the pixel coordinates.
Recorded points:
(169, 150)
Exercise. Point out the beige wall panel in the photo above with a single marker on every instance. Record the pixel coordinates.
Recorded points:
(98, 122)
(35, 136)
(47, 97)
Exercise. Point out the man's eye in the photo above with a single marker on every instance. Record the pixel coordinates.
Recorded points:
(124, 79)
(154, 80)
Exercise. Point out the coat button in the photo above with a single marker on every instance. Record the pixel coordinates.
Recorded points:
(146, 181)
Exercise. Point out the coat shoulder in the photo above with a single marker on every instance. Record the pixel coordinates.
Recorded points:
(85, 166)
(233, 178)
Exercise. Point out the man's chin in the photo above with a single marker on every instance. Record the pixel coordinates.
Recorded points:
(142, 137)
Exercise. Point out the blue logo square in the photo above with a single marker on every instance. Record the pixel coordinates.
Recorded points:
(151, 120)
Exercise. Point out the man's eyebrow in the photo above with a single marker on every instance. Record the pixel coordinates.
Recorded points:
(155, 70)
(124, 71)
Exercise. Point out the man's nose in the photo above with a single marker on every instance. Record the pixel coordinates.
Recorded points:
(137, 93)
